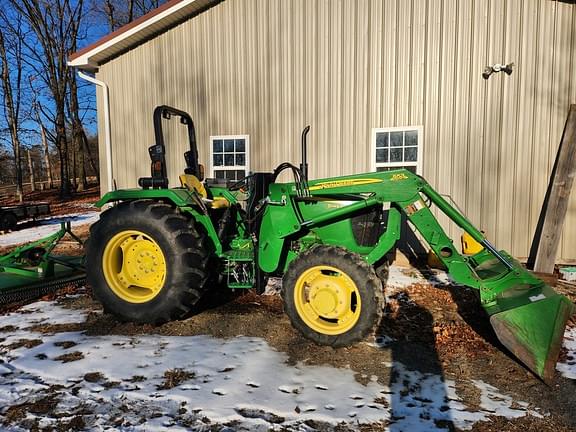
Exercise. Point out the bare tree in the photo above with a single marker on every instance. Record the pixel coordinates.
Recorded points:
(55, 26)
(45, 147)
(11, 83)
(6, 176)
(31, 171)
(121, 12)
(78, 132)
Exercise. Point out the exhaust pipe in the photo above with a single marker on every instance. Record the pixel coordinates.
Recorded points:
(304, 164)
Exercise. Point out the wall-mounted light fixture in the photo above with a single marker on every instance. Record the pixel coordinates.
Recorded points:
(489, 70)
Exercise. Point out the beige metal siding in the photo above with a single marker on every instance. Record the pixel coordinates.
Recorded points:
(267, 68)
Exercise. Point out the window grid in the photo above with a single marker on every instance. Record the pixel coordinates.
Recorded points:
(397, 147)
(229, 156)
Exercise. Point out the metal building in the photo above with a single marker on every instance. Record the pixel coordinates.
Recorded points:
(383, 83)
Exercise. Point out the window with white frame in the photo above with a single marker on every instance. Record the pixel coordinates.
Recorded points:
(397, 147)
(229, 157)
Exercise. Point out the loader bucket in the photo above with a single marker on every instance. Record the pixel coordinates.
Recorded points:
(530, 323)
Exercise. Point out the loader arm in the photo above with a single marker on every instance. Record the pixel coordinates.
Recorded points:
(405, 192)
(527, 315)
(401, 190)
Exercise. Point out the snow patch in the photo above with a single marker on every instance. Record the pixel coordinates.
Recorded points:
(121, 382)
(567, 367)
(42, 312)
(420, 402)
(402, 277)
(47, 226)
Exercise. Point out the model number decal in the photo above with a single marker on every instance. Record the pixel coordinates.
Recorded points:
(398, 177)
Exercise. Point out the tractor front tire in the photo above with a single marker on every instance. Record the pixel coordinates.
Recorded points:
(146, 262)
(332, 296)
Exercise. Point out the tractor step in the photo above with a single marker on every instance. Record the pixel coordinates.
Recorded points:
(242, 255)
(240, 272)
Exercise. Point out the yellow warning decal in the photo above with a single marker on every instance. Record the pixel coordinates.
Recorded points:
(343, 183)
(397, 177)
(416, 206)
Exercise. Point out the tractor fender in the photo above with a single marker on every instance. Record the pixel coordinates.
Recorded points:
(178, 197)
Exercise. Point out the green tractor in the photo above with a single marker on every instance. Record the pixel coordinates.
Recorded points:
(158, 250)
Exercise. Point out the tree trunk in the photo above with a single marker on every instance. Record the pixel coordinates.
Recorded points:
(82, 181)
(88, 153)
(46, 157)
(110, 15)
(31, 169)
(11, 114)
(78, 134)
(18, 168)
(74, 164)
(62, 145)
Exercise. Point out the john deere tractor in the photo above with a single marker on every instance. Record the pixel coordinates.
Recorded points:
(157, 250)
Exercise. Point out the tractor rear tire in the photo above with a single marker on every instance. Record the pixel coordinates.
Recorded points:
(332, 296)
(147, 263)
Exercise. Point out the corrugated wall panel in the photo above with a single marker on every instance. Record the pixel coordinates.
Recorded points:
(390, 56)
(462, 106)
(542, 57)
(562, 75)
(570, 233)
(266, 68)
(508, 126)
(493, 117)
(524, 138)
(477, 112)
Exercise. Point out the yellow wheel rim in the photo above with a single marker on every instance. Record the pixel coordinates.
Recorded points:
(134, 266)
(327, 300)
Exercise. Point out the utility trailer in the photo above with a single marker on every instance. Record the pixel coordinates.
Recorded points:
(11, 215)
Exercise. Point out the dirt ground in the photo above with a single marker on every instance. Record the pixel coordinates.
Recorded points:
(58, 206)
(440, 330)
(436, 331)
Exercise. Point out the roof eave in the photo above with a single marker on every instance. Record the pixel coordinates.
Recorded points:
(84, 63)
(137, 32)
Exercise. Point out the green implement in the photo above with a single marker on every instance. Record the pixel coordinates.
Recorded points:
(33, 270)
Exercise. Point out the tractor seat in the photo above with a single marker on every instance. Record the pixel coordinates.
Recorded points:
(192, 183)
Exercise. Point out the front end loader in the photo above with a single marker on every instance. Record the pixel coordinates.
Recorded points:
(157, 250)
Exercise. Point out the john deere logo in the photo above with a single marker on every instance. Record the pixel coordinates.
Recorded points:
(343, 183)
